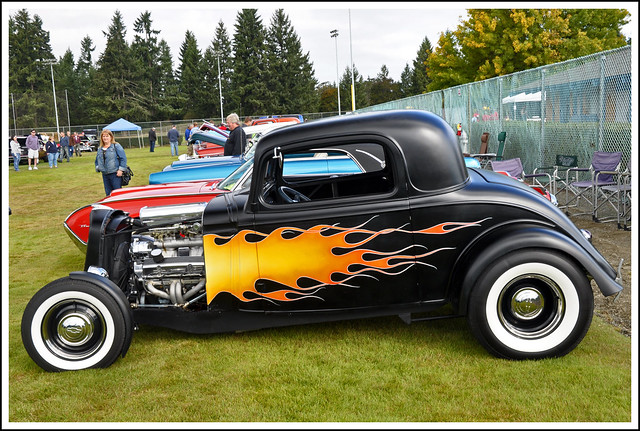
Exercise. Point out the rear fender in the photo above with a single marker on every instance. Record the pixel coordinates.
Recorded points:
(516, 238)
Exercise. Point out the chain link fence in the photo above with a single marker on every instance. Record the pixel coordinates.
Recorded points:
(571, 108)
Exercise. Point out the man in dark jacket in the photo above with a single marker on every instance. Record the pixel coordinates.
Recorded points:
(237, 138)
(152, 139)
(173, 136)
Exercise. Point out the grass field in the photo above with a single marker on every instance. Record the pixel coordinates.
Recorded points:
(374, 370)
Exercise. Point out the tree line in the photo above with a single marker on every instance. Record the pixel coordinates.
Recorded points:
(262, 69)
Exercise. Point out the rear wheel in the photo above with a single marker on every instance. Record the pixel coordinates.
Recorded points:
(72, 325)
(531, 304)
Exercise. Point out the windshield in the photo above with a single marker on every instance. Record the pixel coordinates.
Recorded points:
(241, 177)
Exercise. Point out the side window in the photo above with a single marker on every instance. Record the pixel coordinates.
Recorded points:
(318, 173)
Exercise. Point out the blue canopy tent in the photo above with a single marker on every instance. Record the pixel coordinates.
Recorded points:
(122, 125)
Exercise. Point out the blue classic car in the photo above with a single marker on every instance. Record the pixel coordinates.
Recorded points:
(211, 168)
(414, 232)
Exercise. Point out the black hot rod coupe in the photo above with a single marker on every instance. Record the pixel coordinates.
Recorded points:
(414, 231)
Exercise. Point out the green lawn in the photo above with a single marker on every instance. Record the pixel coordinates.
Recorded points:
(375, 370)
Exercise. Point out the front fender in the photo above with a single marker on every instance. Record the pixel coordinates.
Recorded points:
(531, 237)
(112, 289)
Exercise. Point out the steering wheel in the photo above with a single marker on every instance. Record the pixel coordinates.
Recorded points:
(290, 195)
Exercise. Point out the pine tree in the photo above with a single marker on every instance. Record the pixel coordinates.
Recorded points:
(114, 91)
(249, 92)
(405, 88)
(290, 72)
(67, 91)
(78, 105)
(145, 52)
(29, 78)
(169, 102)
(362, 99)
(382, 88)
(420, 71)
(190, 77)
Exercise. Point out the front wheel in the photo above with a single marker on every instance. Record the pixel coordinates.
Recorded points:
(531, 304)
(73, 325)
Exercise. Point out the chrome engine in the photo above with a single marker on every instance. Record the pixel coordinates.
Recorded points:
(168, 256)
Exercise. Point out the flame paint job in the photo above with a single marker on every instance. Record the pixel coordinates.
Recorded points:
(235, 264)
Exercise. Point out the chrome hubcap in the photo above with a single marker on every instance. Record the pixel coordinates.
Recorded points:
(73, 329)
(527, 303)
(531, 306)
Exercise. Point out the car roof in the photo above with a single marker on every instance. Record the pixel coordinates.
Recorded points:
(424, 139)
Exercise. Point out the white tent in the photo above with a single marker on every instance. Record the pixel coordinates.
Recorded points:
(122, 125)
(523, 97)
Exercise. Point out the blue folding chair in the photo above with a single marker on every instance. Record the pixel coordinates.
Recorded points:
(617, 196)
(603, 166)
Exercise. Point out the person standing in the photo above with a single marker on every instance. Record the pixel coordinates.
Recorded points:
(75, 144)
(15, 152)
(111, 161)
(64, 146)
(237, 138)
(52, 152)
(78, 142)
(152, 139)
(247, 121)
(173, 136)
(33, 147)
(187, 133)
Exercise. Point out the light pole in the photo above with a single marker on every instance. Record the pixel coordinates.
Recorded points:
(334, 34)
(66, 96)
(217, 54)
(51, 62)
(353, 86)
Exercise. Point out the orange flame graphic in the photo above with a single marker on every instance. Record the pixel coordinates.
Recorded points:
(288, 254)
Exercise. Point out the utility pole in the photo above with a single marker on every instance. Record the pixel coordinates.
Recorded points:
(353, 86)
(51, 62)
(217, 54)
(334, 34)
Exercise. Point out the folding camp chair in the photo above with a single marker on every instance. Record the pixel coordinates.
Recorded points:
(513, 167)
(502, 137)
(617, 196)
(483, 156)
(558, 172)
(587, 189)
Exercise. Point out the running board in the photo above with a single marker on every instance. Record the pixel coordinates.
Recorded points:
(406, 317)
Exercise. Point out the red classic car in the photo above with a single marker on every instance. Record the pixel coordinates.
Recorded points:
(131, 199)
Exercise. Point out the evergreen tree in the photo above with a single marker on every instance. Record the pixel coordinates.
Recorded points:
(78, 105)
(66, 89)
(249, 92)
(405, 87)
(290, 72)
(169, 102)
(145, 53)
(29, 78)
(345, 90)
(190, 77)
(114, 91)
(420, 73)
(382, 88)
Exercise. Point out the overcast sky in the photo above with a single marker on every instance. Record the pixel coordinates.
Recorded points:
(372, 33)
(380, 33)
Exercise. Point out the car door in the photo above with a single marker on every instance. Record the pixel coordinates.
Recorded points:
(330, 236)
